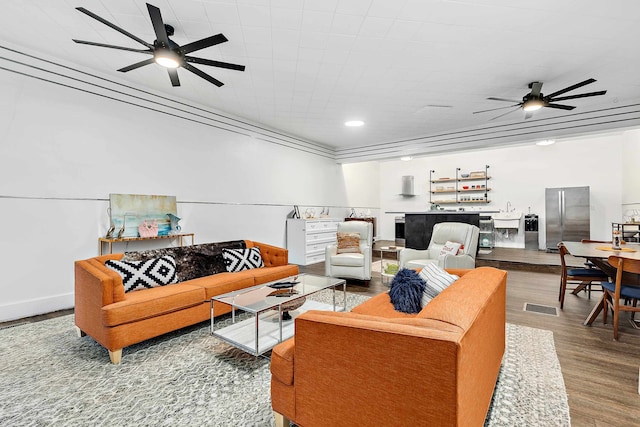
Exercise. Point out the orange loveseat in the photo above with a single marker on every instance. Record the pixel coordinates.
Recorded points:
(375, 366)
(116, 319)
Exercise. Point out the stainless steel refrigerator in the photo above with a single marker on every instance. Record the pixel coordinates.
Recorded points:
(567, 216)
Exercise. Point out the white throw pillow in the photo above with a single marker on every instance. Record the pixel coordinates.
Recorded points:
(450, 248)
(437, 280)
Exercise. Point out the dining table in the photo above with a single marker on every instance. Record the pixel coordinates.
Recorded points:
(598, 254)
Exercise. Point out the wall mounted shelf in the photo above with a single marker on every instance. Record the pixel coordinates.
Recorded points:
(478, 192)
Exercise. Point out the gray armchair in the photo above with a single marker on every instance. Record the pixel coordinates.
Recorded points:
(458, 232)
(351, 265)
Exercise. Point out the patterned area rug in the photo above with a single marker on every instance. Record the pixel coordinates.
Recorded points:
(48, 376)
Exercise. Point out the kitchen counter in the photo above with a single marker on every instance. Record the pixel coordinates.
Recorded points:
(439, 212)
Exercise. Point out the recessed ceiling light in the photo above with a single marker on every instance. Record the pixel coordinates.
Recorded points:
(406, 158)
(546, 142)
(354, 123)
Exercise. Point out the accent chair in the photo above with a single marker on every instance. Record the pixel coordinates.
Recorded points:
(444, 232)
(351, 265)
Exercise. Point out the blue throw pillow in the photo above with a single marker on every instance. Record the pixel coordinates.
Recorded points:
(406, 291)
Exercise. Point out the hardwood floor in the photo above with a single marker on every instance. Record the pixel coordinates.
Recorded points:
(600, 374)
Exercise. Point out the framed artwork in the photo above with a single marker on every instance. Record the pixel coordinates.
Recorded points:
(128, 211)
(296, 211)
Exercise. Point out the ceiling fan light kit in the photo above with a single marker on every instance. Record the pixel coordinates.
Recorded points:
(532, 104)
(165, 51)
(167, 58)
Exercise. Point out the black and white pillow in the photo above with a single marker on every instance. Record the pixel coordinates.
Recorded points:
(148, 274)
(437, 280)
(242, 259)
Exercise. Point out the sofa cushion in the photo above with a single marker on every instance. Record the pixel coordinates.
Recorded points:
(437, 280)
(242, 259)
(152, 303)
(137, 275)
(380, 306)
(348, 243)
(406, 291)
(271, 274)
(222, 283)
(347, 260)
(461, 304)
(191, 261)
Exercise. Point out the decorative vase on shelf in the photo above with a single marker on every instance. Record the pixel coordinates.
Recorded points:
(112, 226)
(175, 228)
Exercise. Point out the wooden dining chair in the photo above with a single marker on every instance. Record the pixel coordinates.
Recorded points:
(616, 291)
(584, 276)
(588, 263)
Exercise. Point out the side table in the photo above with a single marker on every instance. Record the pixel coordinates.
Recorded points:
(111, 241)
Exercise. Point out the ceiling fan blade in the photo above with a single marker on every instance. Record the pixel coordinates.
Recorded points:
(536, 87)
(202, 43)
(173, 75)
(494, 109)
(113, 46)
(582, 95)
(158, 24)
(205, 76)
(137, 65)
(503, 99)
(570, 88)
(560, 106)
(115, 27)
(214, 63)
(508, 112)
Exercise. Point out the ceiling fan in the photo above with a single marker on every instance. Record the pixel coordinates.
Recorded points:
(535, 99)
(165, 51)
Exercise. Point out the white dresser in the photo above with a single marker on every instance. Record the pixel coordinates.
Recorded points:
(308, 238)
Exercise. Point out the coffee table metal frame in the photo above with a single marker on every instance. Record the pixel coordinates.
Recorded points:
(256, 300)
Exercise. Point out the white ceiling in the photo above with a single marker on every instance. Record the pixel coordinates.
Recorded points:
(413, 70)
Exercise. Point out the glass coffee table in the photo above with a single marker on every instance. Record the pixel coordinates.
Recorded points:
(270, 305)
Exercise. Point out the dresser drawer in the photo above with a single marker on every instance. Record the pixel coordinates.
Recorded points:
(313, 248)
(313, 259)
(321, 226)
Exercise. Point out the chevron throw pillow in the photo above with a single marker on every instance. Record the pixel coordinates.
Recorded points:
(148, 274)
(242, 259)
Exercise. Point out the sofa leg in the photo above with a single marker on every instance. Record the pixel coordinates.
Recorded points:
(281, 420)
(80, 332)
(115, 356)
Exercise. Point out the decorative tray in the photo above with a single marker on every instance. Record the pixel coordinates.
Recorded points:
(283, 285)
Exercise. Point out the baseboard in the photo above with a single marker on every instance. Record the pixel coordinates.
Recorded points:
(34, 307)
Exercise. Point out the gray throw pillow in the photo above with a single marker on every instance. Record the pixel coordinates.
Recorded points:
(437, 280)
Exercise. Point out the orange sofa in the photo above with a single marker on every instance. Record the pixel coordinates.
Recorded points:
(116, 319)
(375, 366)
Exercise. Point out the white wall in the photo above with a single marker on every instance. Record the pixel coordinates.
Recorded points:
(631, 174)
(520, 175)
(63, 151)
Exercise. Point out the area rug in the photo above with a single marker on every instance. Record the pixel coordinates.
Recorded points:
(50, 377)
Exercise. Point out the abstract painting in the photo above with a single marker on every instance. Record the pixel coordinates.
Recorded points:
(132, 209)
